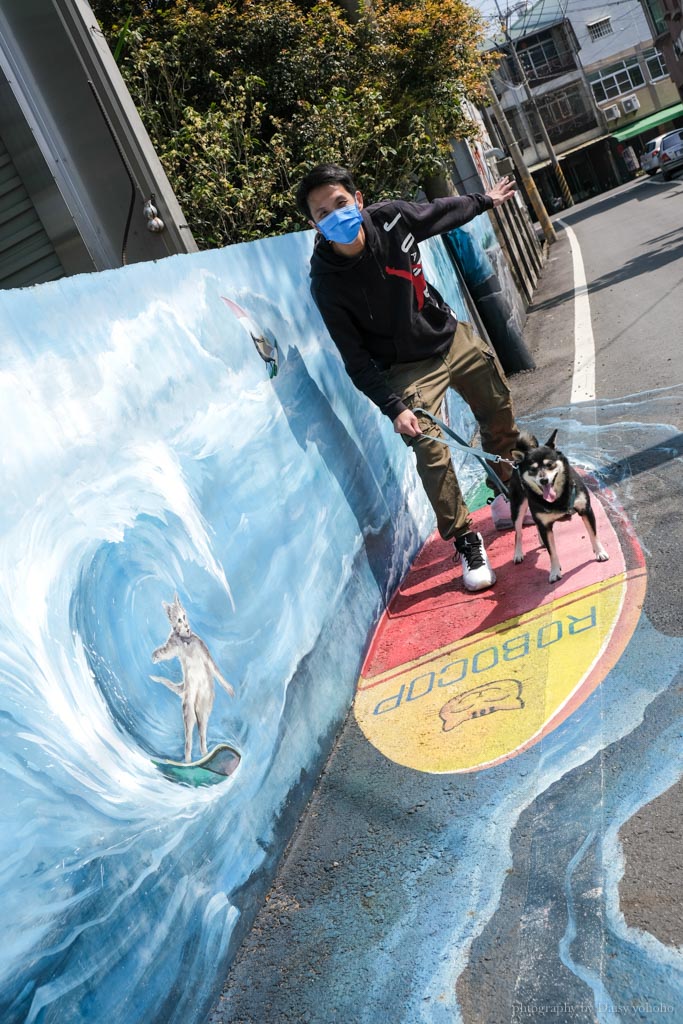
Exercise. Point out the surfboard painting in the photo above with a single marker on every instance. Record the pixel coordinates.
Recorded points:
(266, 347)
(217, 766)
(458, 682)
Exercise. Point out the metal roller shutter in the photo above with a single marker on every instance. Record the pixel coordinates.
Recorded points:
(27, 255)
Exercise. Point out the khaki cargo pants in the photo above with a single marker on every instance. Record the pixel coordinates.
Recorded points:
(473, 370)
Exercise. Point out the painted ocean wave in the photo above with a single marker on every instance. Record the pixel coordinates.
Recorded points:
(150, 454)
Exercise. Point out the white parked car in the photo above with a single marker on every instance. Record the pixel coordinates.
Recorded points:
(649, 161)
(671, 153)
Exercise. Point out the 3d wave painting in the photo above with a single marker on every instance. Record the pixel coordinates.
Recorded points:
(201, 522)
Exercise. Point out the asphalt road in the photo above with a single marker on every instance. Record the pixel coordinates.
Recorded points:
(364, 921)
(632, 246)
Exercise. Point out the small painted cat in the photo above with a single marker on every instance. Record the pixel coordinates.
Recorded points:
(199, 670)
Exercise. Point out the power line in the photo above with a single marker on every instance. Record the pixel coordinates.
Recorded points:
(538, 11)
(636, 9)
(566, 12)
(607, 3)
(597, 55)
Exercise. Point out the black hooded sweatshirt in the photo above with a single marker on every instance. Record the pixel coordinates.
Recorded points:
(377, 306)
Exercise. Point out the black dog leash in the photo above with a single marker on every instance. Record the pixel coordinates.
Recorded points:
(458, 443)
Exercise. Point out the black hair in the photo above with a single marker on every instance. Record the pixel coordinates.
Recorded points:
(322, 174)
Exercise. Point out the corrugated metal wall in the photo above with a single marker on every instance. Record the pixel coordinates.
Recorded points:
(27, 255)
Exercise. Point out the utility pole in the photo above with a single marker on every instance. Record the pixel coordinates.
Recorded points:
(523, 117)
(525, 177)
(561, 180)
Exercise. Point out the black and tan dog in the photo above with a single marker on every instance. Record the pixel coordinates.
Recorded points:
(553, 490)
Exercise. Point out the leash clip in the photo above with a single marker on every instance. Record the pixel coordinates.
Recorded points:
(484, 457)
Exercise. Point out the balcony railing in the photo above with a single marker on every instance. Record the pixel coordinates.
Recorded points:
(567, 128)
(539, 73)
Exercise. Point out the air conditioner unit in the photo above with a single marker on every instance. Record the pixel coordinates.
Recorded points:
(630, 103)
(612, 113)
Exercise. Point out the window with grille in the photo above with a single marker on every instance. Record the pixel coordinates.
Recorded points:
(565, 113)
(655, 65)
(559, 108)
(598, 29)
(617, 79)
(539, 58)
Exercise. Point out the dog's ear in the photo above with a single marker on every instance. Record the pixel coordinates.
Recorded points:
(516, 455)
(550, 443)
(525, 442)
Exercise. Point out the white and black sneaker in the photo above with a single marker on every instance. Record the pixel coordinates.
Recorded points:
(477, 573)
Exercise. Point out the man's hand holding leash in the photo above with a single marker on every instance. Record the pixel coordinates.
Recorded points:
(407, 423)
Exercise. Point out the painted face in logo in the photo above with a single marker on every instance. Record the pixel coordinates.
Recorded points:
(342, 225)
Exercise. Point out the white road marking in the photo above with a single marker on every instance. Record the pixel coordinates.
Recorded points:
(583, 382)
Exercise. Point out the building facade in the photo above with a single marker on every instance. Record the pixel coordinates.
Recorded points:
(628, 75)
(598, 81)
(77, 168)
(665, 18)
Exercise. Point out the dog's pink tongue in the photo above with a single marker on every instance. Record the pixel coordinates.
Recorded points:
(549, 493)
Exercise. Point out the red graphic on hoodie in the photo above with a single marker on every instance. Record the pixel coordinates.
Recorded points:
(416, 277)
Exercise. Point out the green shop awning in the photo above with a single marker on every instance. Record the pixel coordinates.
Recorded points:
(651, 121)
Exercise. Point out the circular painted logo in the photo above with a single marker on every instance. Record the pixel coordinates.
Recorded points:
(458, 682)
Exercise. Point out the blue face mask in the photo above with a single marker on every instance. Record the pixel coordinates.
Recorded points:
(342, 225)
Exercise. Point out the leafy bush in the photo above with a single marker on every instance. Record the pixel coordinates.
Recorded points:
(242, 97)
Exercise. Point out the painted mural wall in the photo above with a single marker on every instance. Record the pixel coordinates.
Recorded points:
(196, 503)
(487, 276)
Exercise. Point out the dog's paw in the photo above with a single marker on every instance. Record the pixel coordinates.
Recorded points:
(555, 575)
(517, 558)
(601, 556)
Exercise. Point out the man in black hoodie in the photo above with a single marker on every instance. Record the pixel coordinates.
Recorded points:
(401, 343)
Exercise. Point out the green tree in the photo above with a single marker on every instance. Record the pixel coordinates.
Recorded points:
(241, 97)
